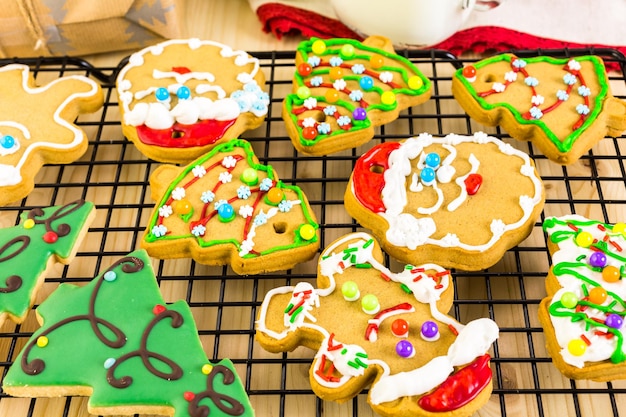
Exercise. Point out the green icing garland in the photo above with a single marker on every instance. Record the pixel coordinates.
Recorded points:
(117, 336)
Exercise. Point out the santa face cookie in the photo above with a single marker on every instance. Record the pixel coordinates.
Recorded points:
(583, 314)
(458, 201)
(372, 326)
(112, 339)
(180, 98)
(343, 89)
(43, 237)
(226, 208)
(564, 106)
(37, 125)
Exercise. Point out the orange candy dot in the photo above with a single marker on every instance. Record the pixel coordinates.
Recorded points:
(331, 95)
(182, 206)
(597, 295)
(335, 73)
(275, 195)
(376, 61)
(611, 273)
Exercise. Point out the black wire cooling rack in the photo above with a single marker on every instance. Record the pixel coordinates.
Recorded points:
(114, 175)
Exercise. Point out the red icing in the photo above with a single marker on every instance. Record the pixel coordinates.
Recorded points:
(368, 180)
(460, 388)
(181, 70)
(473, 183)
(179, 135)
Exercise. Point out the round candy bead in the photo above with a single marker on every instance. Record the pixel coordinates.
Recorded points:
(577, 347)
(249, 176)
(584, 239)
(614, 321)
(29, 224)
(110, 276)
(189, 396)
(388, 98)
(432, 160)
(335, 73)
(619, 228)
(376, 61)
(415, 83)
(158, 309)
(303, 92)
(275, 195)
(182, 206)
(42, 341)
(597, 259)
(430, 330)
(359, 114)
(50, 237)
(405, 349)
(347, 51)
(366, 82)
(611, 273)
(207, 368)
(597, 295)
(569, 299)
(427, 175)
(7, 141)
(331, 95)
(350, 291)
(162, 94)
(370, 304)
(225, 212)
(400, 328)
(469, 71)
(307, 232)
(305, 69)
(109, 363)
(309, 132)
(318, 47)
(183, 93)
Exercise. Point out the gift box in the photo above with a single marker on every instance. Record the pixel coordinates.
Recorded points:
(78, 27)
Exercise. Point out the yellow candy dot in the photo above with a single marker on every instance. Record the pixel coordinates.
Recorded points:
(318, 47)
(376, 61)
(577, 347)
(42, 341)
(597, 295)
(207, 368)
(619, 228)
(611, 273)
(182, 206)
(307, 232)
(29, 224)
(415, 82)
(388, 98)
(275, 195)
(584, 239)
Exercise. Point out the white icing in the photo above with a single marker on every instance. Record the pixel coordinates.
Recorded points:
(460, 181)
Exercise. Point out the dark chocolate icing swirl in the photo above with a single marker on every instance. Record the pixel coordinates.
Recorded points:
(223, 402)
(10, 251)
(63, 229)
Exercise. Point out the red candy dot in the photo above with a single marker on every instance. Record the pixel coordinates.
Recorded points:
(158, 309)
(400, 327)
(309, 132)
(304, 69)
(473, 183)
(189, 396)
(50, 237)
(469, 71)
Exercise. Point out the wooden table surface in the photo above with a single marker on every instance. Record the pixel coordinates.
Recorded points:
(527, 388)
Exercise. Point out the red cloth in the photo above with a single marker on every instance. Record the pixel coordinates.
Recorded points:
(281, 20)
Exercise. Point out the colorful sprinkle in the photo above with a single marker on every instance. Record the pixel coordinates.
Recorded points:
(405, 349)
(370, 304)
(400, 328)
(350, 291)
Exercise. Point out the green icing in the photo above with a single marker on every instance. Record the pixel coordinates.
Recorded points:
(405, 68)
(562, 144)
(226, 148)
(24, 255)
(122, 310)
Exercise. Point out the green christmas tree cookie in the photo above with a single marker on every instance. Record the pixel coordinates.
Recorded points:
(43, 238)
(115, 340)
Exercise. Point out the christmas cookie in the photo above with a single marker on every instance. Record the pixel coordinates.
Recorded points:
(583, 314)
(343, 89)
(458, 201)
(37, 125)
(112, 340)
(373, 326)
(180, 98)
(564, 106)
(28, 250)
(226, 208)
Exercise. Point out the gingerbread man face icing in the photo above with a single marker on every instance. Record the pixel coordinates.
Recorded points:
(373, 326)
(182, 97)
(564, 106)
(37, 125)
(459, 201)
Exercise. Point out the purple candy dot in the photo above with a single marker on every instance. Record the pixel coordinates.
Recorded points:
(614, 321)
(430, 329)
(404, 348)
(359, 114)
(597, 259)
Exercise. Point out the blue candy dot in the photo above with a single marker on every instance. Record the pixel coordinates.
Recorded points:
(183, 93)
(432, 160)
(7, 141)
(162, 94)
(366, 82)
(110, 276)
(225, 212)
(427, 175)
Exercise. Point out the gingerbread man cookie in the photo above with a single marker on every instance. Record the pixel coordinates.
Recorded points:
(37, 125)
(372, 326)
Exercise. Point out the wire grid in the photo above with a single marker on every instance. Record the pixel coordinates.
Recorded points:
(114, 175)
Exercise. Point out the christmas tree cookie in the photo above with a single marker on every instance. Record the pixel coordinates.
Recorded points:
(27, 251)
(37, 125)
(226, 208)
(343, 89)
(373, 326)
(583, 314)
(564, 106)
(116, 341)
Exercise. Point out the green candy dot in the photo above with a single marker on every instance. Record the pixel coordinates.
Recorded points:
(370, 304)
(303, 92)
(569, 299)
(350, 290)
(347, 51)
(249, 176)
